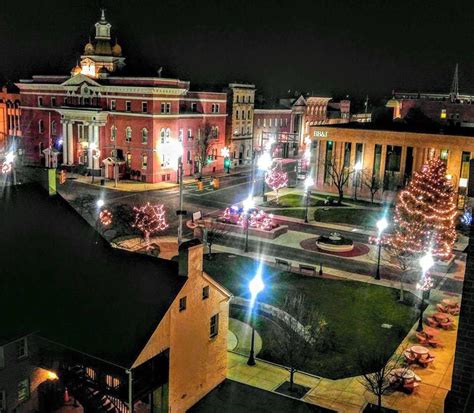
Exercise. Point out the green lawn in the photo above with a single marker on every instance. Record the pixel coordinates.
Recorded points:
(293, 213)
(354, 312)
(294, 200)
(350, 216)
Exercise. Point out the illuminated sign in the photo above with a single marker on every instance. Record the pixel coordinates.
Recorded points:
(320, 134)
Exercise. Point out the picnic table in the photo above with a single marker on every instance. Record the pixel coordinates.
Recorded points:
(443, 317)
(450, 303)
(419, 350)
(430, 331)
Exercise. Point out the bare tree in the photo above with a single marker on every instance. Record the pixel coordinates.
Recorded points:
(299, 334)
(339, 173)
(372, 182)
(403, 260)
(378, 372)
(203, 144)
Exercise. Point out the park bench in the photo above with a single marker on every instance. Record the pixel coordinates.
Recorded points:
(307, 269)
(283, 264)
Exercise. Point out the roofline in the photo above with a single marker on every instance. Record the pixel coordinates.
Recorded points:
(220, 287)
(272, 110)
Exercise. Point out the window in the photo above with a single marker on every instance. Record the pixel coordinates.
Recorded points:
(128, 106)
(249, 116)
(205, 292)
(248, 130)
(128, 134)
(276, 122)
(214, 132)
(443, 114)
(182, 304)
(129, 159)
(328, 160)
(113, 133)
(393, 158)
(3, 401)
(2, 358)
(90, 373)
(281, 121)
(215, 108)
(237, 115)
(23, 390)
(359, 152)
(347, 154)
(144, 161)
(242, 130)
(444, 155)
(144, 136)
(21, 348)
(113, 105)
(243, 115)
(214, 326)
(190, 134)
(286, 121)
(53, 127)
(112, 381)
(40, 100)
(270, 122)
(53, 100)
(466, 157)
(180, 135)
(188, 156)
(258, 122)
(237, 98)
(264, 123)
(41, 126)
(166, 108)
(193, 107)
(144, 107)
(162, 135)
(377, 158)
(167, 135)
(65, 100)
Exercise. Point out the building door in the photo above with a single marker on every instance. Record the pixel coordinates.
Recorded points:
(241, 154)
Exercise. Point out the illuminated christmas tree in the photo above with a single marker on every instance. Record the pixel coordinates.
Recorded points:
(150, 219)
(276, 179)
(425, 214)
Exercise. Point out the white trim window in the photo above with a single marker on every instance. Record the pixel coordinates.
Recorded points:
(41, 126)
(144, 161)
(193, 107)
(113, 133)
(144, 136)
(53, 128)
(190, 134)
(23, 390)
(180, 135)
(144, 107)
(214, 326)
(165, 107)
(215, 108)
(22, 348)
(128, 106)
(167, 135)
(113, 105)
(40, 101)
(162, 135)
(128, 134)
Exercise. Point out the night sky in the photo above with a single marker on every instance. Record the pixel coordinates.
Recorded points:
(326, 47)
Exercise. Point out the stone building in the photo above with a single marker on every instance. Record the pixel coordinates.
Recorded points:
(100, 121)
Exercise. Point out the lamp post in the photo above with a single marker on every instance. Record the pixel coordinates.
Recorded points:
(357, 169)
(248, 204)
(382, 224)
(308, 183)
(94, 154)
(177, 151)
(264, 162)
(425, 284)
(256, 285)
(9, 165)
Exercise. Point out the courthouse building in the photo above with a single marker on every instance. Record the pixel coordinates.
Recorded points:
(10, 112)
(97, 118)
(392, 155)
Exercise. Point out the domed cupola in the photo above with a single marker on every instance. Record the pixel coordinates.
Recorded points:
(116, 50)
(89, 48)
(76, 70)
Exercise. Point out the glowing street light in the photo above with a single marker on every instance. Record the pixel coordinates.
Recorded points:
(425, 284)
(10, 157)
(357, 169)
(100, 203)
(175, 150)
(247, 204)
(308, 183)
(256, 286)
(264, 163)
(382, 224)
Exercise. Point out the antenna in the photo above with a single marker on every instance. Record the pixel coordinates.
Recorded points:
(455, 85)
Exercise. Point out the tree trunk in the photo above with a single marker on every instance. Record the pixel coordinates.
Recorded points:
(292, 374)
(379, 402)
(210, 251)
(402, 291)
(372, 197)
(341, 194)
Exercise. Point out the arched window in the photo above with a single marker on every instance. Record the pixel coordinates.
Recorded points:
(53, 127)
(180, 135)
(144, 161)
(167, 135)
(113, 133)
(128, 134)
(144, 136)
(129, 159)
(162, 135)
(41, 126)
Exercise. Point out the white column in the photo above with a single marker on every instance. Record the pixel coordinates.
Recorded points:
(70, 144)
(90, 140)
(65, 142)
(96, 141)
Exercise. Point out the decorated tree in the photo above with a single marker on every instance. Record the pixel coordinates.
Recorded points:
(150, 219)
(276, 179)
(425, 215)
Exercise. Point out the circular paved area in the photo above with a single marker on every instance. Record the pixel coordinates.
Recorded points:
(359, 249)
(243, 333)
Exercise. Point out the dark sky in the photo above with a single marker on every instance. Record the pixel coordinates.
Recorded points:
(342, 47)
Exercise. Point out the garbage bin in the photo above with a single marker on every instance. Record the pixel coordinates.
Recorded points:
(200, 185)
(102, 182)
(215, 183)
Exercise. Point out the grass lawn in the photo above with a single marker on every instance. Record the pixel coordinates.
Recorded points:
(350, 216)
(292, 213)
(294, 200)
(354, 312)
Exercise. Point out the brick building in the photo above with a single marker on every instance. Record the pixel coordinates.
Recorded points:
(102, 122)
(392, 155)
(10, 113)
(116, 328)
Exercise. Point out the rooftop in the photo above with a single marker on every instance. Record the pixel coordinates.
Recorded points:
(65, 282)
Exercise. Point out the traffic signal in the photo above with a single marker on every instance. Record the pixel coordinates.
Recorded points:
(62, 177)
(226, 163)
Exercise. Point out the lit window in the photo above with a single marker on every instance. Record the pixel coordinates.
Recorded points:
(270, 122)
(23, 390)
(144, 136)
(128, 106)
(112, 381)
(129, 159)
(128, 134)
(182, 304)
(144, 107)
(264, 123)
(214, 326)
(144, 161)
(205, 292)
(90, 373)
(258, 122)
(443, 114)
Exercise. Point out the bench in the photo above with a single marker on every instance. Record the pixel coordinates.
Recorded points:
(307, 269)
(283, 264)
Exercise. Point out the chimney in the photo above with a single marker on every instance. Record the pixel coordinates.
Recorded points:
(190, 258)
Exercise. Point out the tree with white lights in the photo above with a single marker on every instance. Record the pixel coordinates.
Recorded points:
(276, 179)
(150, 219)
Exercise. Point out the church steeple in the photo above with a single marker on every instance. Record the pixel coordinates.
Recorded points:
(102, 28)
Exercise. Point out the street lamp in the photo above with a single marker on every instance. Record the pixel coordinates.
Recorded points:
(9, 165)
(264, 162)
(308, 183)
(256, 285)
(382, 224)
(357, 169)
(225, 153)
(94, 154)
(425, 284)
(176, 150)
(248, 204)
(100, 203)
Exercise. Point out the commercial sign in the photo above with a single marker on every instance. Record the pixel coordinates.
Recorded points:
(320, 134)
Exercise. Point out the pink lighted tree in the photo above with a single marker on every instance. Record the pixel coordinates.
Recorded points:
(276, 179)
(150, 219)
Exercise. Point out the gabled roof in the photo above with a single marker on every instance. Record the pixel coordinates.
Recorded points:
(63, 281)
(79, 80)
